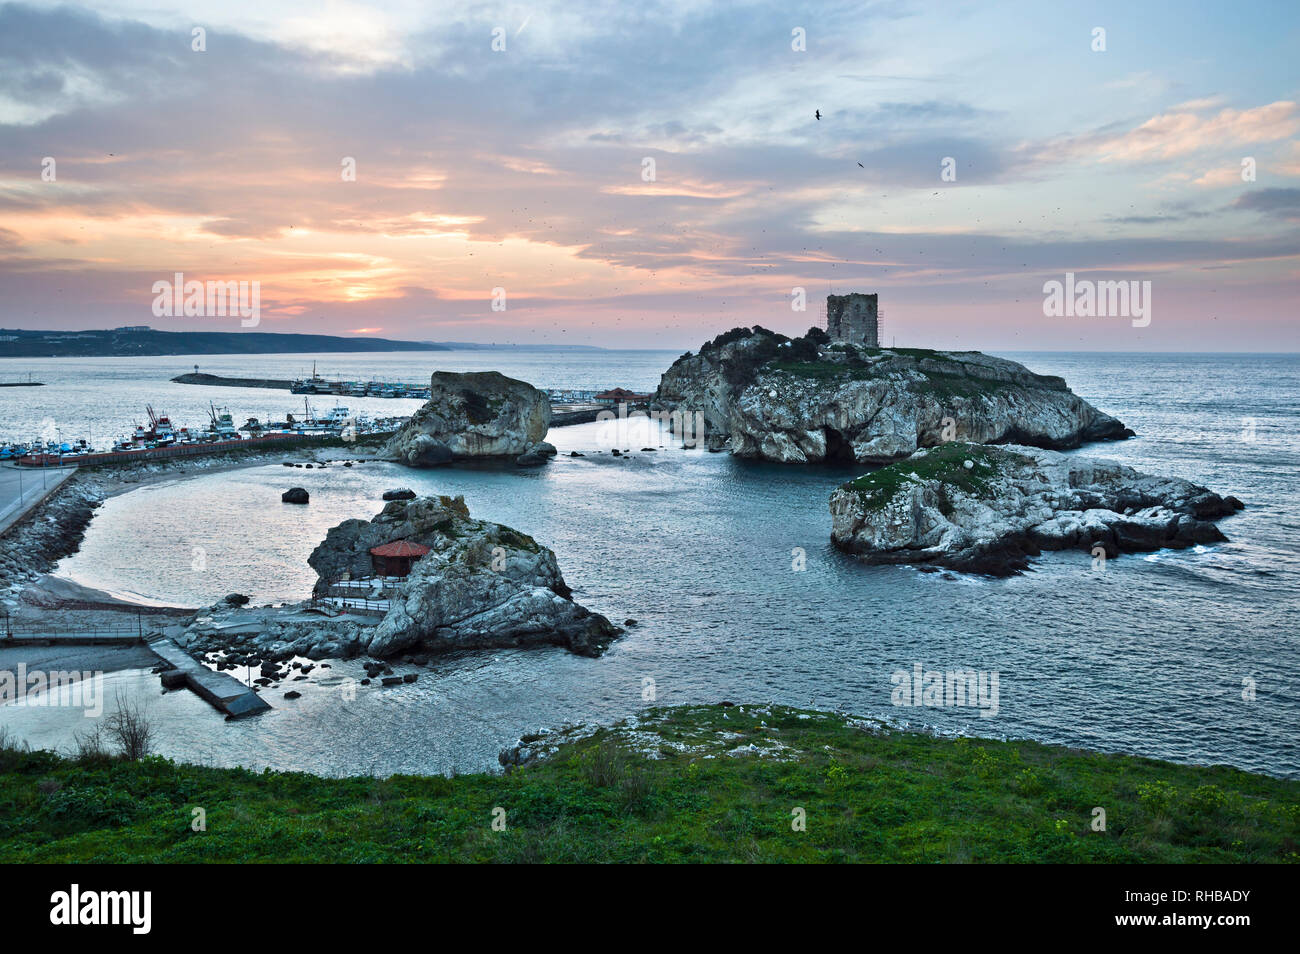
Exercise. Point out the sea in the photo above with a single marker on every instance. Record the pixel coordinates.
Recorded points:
(727, 569)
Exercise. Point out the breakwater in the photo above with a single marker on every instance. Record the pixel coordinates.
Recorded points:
(216, 380)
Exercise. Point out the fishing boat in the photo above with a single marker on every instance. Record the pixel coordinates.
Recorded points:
(313, 385)
(159, 433)
(222, 426)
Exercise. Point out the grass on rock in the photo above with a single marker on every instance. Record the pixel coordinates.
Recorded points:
(945, 463)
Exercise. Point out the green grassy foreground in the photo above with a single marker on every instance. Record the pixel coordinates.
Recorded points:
(680, 784)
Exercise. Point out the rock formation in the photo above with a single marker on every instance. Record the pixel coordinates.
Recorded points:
(480, 585)
(808, 400)
(472, 415)
(987, 509)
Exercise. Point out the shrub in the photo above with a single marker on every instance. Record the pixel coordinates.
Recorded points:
(12, 750)
(130, 728)
(91, 749)
(1157, 797)
(91, 806)
(726, 338)
(606, 765)
(1207, 800)
(801, 349)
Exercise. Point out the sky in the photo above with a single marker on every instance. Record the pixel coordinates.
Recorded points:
(648, 175)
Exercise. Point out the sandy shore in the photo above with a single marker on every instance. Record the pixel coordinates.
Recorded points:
(30, 550)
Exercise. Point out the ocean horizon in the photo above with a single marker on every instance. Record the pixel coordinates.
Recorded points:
(1147, 657)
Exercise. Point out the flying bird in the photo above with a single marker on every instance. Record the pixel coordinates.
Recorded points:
(861, 166)
(818, 114)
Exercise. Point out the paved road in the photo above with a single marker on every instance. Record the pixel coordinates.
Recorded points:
(25, 487)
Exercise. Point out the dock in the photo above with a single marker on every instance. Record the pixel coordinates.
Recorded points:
(222, 690)
(203, 449)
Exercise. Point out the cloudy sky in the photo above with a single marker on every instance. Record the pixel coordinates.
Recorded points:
(525, 168)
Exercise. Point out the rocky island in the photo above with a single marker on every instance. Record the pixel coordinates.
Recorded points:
(481, 414)
(480, 584)
(814, 399)
(985, 509)
(440, 581)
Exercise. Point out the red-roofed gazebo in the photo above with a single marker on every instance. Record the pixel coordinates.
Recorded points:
(395, 559)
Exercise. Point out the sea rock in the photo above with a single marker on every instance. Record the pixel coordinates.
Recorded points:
(481, 584)
(988, 509)
(760, 394)
(536, 455)
(294, 495)
(472, 415)
(401, 493)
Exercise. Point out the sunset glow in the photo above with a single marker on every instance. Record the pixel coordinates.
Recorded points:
(388, 169)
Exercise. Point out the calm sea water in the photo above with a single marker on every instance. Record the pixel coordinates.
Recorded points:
(100, 399)
(1148, 656)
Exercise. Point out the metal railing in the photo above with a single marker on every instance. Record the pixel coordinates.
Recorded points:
(12, 632)
(340, 594)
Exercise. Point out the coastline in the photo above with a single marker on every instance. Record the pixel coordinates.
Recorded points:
(55, 528)
(117, 484)
(686, 784)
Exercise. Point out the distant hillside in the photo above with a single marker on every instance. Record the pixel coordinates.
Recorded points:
(124, 342)
(479, 346)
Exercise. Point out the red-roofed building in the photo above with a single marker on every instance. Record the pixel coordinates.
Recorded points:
(395, 559)
(620, 396)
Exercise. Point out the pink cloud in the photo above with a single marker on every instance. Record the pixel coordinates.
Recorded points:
(1184, 131)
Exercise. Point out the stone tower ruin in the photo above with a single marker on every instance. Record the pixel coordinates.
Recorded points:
(853, 319)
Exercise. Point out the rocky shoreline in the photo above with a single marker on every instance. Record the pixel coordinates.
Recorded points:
(55, 528)
(807, 400)
(987, 510)
(471, 584)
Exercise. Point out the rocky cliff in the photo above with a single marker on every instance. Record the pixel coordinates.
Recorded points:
(469, 415)
(988, 509)
(481, 584)
(806, 400)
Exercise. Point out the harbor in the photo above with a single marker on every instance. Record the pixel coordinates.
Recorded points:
(161, 440)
